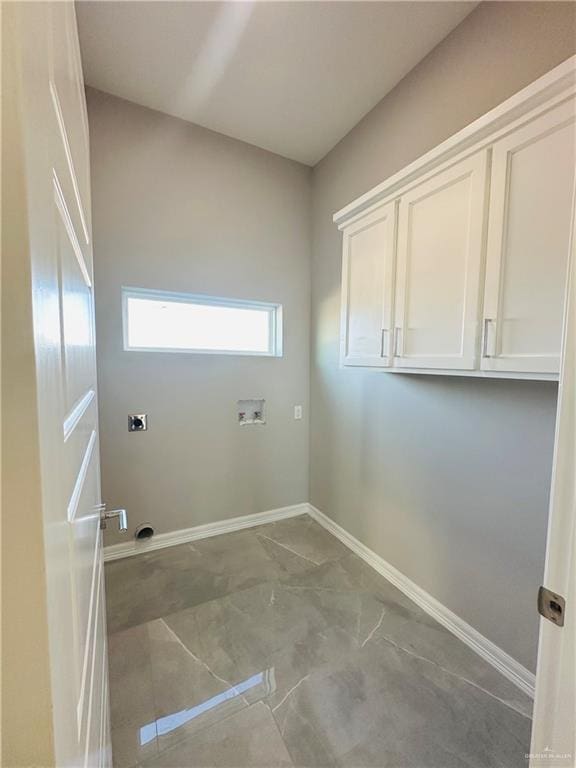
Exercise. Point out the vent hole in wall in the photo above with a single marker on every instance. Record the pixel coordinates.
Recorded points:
(143, 532)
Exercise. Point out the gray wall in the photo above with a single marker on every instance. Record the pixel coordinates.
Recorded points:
(447, 479)
(178, 207)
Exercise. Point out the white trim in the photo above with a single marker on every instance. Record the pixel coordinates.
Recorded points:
(162, 540)
(477, 374)
(557, 84)
(499, 659)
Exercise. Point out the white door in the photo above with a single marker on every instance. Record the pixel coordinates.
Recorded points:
(440, 229)
(528, 239)
(554, 718)
(367, 289)
(54, 125)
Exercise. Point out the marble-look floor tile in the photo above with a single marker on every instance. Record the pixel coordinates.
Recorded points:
(268, 627)
(234, 561)
(131, 744)
(249, 738)
(282, 633)
(130, 674)
(188, 694)
(433, 642)
(150, 585)
(132, 707)
(161, 693)
(302, 536)
(158, 583)
(374, 709)
(409, 627)
(290, 562)
(369, 605)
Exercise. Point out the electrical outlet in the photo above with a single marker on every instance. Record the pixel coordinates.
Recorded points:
(137, 422)
(297, 412)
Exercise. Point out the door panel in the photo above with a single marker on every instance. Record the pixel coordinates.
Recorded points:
(440, 232)
(64, 339)
(528, 240)
(367, 289)
(80, 425)
(76, 310)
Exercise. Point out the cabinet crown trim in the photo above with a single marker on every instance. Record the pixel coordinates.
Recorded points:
(559, 82)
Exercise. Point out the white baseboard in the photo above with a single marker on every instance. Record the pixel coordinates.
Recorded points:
(162, 540)
(503, 662)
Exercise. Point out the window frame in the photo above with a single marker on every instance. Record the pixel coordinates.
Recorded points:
(274, 311)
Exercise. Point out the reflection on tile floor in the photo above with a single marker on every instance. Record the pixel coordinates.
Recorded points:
(277, 647)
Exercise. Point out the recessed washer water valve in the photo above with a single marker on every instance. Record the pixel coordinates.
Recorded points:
(251, 412)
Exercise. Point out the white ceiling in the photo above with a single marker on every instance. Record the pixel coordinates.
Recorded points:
(290, 77)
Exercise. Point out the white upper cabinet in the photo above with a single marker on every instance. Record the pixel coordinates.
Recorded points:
(367, 289)
(457, 264)
(440, 267)
(528, 244)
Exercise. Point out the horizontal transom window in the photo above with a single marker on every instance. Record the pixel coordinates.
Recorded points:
(180, 322)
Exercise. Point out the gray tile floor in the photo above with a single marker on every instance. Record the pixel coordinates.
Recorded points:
(277, 647)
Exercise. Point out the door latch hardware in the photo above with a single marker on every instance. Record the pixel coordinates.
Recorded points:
(551, 606)
(118, 513)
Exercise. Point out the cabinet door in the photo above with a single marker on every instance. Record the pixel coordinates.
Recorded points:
(367, 289)
(528, 242)
(440, 244)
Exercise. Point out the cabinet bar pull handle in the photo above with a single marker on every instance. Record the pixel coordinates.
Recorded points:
(397, 341)
(384, 333)
(487, 321)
